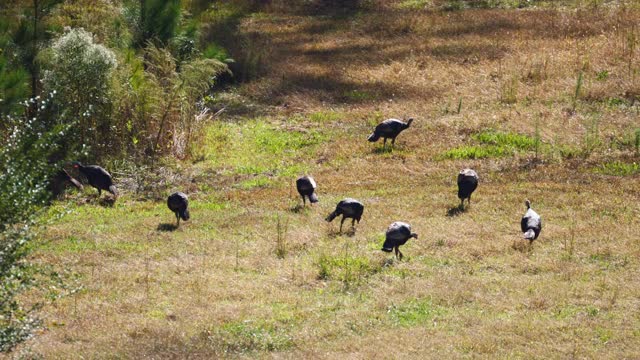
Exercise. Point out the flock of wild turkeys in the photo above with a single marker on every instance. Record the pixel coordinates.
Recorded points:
(398, 232)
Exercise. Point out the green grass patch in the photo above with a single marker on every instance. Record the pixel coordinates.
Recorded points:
(260, 148)
(492, 144)
(248, 336)
(348, 269)
(416, 312)
(618, 168)
(257, 182)
(505, 139)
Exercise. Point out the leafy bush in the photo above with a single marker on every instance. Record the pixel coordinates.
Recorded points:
(13, 78)
(166, 102)
(28, 158)
(80, 71)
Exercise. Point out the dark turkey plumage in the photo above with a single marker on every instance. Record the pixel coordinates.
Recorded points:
(389, 129)
(61, 180)
(467, 184)
(306, 188)
(179, 203)
(531, 223)
(397, 234)
(97, 177)
(348, 208)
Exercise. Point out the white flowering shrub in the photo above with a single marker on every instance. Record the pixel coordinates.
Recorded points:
(31, 153)
(80, 71)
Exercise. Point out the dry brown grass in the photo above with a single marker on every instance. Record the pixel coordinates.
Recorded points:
(469, 287)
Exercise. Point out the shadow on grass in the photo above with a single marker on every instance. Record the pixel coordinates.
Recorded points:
(167, 227)
(523, 246)
(456, 210)
(106, 202)
(299, 208)
(336, 233)
(387, 262)
(382, 150)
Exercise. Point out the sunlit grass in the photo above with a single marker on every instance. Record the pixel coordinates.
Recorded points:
(618, 168)
(252, 275)
(492, 144)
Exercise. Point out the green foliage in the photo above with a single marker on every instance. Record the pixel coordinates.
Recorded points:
(618, 168)
(505, 139)
(172, 114)
(13, 87)
(602, 75)
(159, 20)
(215, 51)
(16, 323)
(27, 161)
(80, 70)
(347, 269)
(493, 144)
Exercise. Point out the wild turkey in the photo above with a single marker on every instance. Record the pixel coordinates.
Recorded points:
(179, 203)
(398, 234)
(531, 223)
(348, 208)
(389, 129)
(60, 181)
(467, 184)
(98, 177)
(306, 187)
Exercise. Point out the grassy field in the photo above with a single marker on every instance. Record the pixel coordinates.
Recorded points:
(542, 103)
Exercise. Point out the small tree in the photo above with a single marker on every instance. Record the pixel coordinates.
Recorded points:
(175, 114)
(80, 71)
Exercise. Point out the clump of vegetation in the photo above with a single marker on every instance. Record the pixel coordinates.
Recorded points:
(282, 226)
(618, 168)
(350, 270)
(416, 312)
(27, 162)
(493, 144)
(79, 70)
(249, 336)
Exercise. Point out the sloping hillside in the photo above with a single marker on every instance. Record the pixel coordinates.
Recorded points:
(542, 103)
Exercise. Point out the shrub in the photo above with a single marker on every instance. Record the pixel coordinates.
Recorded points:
(168, 110)
(27, 160)
(80, 71)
